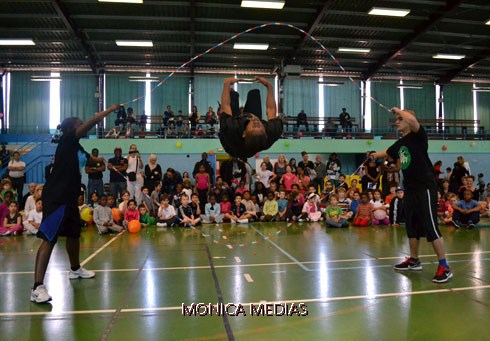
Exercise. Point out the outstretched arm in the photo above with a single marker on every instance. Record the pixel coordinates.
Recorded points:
(225, 96)
(408, 117)
(271, 108)
(86, 126)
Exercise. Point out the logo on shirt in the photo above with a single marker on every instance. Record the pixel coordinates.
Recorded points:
(405, 157)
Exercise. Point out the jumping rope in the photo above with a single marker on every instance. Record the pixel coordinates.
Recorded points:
(251, 29)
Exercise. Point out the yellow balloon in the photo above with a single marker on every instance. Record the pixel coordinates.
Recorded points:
(178, 144)
(86, 214)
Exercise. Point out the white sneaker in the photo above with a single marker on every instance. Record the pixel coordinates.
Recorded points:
(40, 294)
(161, 224)
(6, 233)
(232, 221)
(243, 221)
(81, 273)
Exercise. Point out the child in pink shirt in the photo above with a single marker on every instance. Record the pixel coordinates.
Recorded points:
(288, 179)
(131, 213)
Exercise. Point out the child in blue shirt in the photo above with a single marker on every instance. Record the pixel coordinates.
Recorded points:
(467, 211)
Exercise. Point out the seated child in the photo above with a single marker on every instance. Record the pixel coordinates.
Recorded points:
(123, 205)
(166, 213)
(147, 201)
(485, 207)
(390, 196)
(212, 212)
(249, 205)
(35, 218)
(380, 216)
(103, 217)
(195, 204)
(344, 202)
(155, 198)
(131, 213)
(145, 218)
(466, 212)
(334, 215)
(364, 214)
(225, 206)
(238, 213)
(282, 206)
(257, 207)
(295, 205)
(12, 223)
(270, 208)
(397, 213)
(356, 200)
(310, 211)
(186, 213)
(94, 200)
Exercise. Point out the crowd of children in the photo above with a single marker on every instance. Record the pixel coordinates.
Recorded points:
(272, 199)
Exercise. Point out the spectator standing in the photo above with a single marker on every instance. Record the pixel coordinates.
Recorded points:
(207, 166)
(268, 163)
(391, 174)
(280, 167)
(211, 117)
(170, 180)
(117, 176)
(95, 170)
(465, 164)
(334, 168)
(16, 169)
(135, 165)
(194, 118)
(370, 180)
(153, 173)
(321, 172)
(167, 115)
(302, 120)
(345, 120)
(49, 169)
(306, 164)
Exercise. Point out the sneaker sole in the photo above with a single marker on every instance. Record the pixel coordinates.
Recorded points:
(34, 299)
(418, 268)
(70, 276)
(443, 280)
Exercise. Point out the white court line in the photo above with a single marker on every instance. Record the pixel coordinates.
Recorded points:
(238, 260)
(248, 278)
(299, 300)
(302, 266)
(198, 267)
(89, 258)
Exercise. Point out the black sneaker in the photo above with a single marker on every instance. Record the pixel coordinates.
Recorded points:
(408, 264)
(443, 274)
(456, 224)
(470, 225)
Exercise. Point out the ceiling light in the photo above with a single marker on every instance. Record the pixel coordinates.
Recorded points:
(330, 83)
(481, 89)
(448, 56)
(16, 42)
(263, 4)
(410, 86)
(353, 50)
(243, 46)
(488, 22)
(135, 43)
(45, 78)
(390, 12)
(124, 1)
(143, 79)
